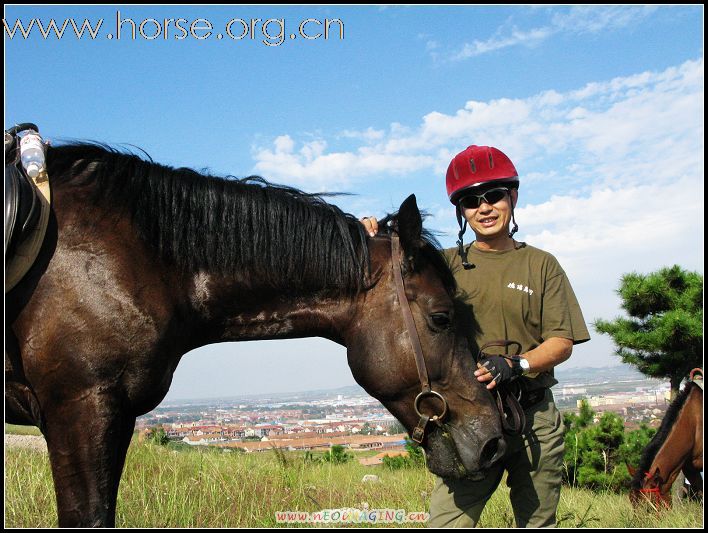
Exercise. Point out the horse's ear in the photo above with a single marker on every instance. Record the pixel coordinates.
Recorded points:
(632, 471)
(410, 226)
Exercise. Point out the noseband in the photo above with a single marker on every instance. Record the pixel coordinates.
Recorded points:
(654, 494)
(419, 431)
(655, 497)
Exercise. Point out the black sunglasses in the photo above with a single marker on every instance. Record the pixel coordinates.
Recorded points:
(492, 196)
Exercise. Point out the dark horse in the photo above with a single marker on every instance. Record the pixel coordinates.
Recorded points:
(143, 263)
(676, 447)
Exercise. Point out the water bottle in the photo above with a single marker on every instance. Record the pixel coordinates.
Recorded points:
(32, 154)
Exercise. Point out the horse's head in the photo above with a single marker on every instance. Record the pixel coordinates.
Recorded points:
(650, 489)
(468, 439)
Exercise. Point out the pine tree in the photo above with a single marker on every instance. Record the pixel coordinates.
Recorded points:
(158, 435)
(663, 337)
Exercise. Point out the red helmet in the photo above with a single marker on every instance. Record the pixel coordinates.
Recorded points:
(477, 165)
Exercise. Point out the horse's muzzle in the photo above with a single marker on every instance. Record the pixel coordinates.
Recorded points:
(455, 452)
(476, 450)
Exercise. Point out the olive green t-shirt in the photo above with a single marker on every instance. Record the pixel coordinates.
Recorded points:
(518, 295)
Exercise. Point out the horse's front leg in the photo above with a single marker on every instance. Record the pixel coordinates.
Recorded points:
(88, 439)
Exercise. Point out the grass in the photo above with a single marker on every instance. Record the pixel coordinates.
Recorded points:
(22, 430)
(166, 487)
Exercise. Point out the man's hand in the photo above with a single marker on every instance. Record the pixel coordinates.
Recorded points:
(495, 370)
(371, 225)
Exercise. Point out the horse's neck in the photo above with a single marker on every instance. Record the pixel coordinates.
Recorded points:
(232, 310)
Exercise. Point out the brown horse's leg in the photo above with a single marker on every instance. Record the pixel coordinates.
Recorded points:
(88, 439)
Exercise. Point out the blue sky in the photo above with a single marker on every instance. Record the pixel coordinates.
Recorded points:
(600, 108)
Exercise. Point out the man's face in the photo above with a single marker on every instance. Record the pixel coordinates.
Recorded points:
(492, 216)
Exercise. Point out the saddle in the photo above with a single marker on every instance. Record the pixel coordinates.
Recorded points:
(27, 206)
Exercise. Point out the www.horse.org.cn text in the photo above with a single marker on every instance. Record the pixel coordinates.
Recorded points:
(270, 32)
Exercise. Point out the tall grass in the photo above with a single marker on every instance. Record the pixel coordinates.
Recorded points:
(164, 487)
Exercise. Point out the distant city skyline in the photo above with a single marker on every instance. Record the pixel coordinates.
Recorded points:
(562, 374)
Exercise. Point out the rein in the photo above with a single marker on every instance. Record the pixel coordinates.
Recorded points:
(508, 398)
(419, 431)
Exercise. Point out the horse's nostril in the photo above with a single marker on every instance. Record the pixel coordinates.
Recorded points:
(492, 452)
(488, 452)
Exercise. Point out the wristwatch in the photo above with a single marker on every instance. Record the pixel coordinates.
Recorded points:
(525, 366)
(520, 365)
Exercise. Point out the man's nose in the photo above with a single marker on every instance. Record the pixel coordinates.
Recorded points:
(484, 206)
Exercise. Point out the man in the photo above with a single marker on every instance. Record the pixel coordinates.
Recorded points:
(511, 292)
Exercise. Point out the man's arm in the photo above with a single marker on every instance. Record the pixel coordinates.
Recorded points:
(546, 356)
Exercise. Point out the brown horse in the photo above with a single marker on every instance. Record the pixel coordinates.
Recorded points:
(676, 447)
(143, 263)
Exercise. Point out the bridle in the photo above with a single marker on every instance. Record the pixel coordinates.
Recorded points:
(426, 390)
(653, 493)
(512, 414)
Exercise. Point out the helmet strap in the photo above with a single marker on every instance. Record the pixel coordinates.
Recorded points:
(516, 226)
(460, 244)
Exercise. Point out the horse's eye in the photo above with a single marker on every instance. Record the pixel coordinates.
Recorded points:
(441, 320)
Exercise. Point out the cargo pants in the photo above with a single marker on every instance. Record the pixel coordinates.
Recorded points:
(534, 462)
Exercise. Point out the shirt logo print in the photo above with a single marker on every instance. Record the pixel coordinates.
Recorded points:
(520, 287)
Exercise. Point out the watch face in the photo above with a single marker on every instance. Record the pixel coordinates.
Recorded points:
(525, 366)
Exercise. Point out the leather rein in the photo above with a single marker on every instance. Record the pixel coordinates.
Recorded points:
(508, 398)
(426, 390)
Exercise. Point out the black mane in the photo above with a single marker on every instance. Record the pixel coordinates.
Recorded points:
(202, 222)
(649, 453)
(294, 240)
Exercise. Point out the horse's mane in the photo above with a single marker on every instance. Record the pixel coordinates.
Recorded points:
(294, 241)
(649, 453)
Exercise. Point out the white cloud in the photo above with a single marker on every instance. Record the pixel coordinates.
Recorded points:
(310, 167)
(517, 37)
(594, 19)
(626, 131)
(578, 20)
(619, 229)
